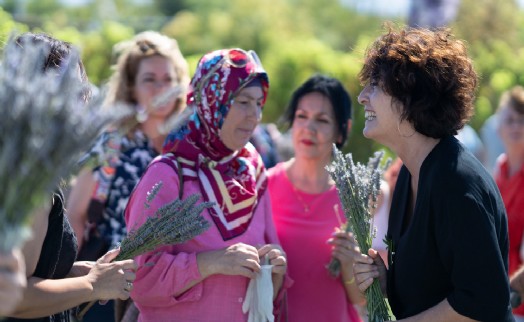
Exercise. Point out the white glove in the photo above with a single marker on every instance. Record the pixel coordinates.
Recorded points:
(259, 297)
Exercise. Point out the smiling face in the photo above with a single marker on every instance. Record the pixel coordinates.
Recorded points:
(242, 118)
(381, 115)
(155, 75)
(314, 127)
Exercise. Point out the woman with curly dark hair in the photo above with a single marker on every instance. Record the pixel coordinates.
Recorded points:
(447, 235)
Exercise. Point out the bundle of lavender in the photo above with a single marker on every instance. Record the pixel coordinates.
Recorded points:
(106, 149)
(358, 187)
(45, 125)
(173, 223)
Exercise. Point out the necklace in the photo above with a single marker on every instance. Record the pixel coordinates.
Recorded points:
(300, 200)
(298, 193)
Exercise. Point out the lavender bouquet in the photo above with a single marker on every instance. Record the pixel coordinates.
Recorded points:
(358, 187)
(106, 149)
(45, 125)
(173, 223)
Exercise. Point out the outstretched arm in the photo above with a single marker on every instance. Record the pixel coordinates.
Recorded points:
(12, 280)
(44, 297)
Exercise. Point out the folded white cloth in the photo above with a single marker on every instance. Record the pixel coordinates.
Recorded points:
(259, 297)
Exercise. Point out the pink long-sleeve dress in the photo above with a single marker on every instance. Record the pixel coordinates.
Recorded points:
(315, 295)
(164, 272)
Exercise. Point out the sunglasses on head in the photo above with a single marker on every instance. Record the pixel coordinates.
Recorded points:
(239, 58)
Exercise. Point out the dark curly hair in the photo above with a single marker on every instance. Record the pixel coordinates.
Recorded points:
(333, 90)
(429, 73)
(58, 52)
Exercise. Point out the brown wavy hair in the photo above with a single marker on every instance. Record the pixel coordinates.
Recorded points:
(130, 54)
(513, 98)
(429, 73)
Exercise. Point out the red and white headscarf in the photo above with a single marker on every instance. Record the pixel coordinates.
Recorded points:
(234, 180)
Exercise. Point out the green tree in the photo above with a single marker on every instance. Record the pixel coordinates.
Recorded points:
(294, 39)
(290, 42)
(96, 46)
(8, 26)
(11, 6)
(492, 30)
(170, 7)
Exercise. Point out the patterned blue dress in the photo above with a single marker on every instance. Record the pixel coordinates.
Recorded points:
(115, 182)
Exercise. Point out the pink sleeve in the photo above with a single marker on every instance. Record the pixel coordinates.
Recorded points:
(270, 232)
(280, 303)
(160, 273)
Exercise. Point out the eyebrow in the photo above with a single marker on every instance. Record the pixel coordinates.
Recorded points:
(154, 74)
(250, 97)
(319, 114)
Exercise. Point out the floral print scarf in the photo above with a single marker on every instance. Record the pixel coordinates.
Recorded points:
(234, 180)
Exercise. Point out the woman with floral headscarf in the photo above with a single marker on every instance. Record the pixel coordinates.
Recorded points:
(149, 66)
(206, 278)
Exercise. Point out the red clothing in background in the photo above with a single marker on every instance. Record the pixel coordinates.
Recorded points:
(512, 191)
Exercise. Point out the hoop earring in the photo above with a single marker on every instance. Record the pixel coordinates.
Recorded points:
(400, 133)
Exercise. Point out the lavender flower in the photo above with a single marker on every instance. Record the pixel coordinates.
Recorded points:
(173, 223)
(106, 149)
(45, 124)
(358, 187)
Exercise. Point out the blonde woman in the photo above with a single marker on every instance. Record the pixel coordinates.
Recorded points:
(148, 66)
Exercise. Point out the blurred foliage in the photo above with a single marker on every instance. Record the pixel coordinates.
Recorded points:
(8, 26)
(494, 34)
(294, 39)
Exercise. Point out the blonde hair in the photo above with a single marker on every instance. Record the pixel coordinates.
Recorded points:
(129, 55)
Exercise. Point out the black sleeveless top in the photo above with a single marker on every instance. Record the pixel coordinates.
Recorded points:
(58, 252)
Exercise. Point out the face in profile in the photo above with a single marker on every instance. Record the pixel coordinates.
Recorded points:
(381, 117)
(155, 75)
(242, 118)
(314, 127)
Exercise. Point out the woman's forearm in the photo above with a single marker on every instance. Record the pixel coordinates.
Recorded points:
(44, 297)
(352, 291)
